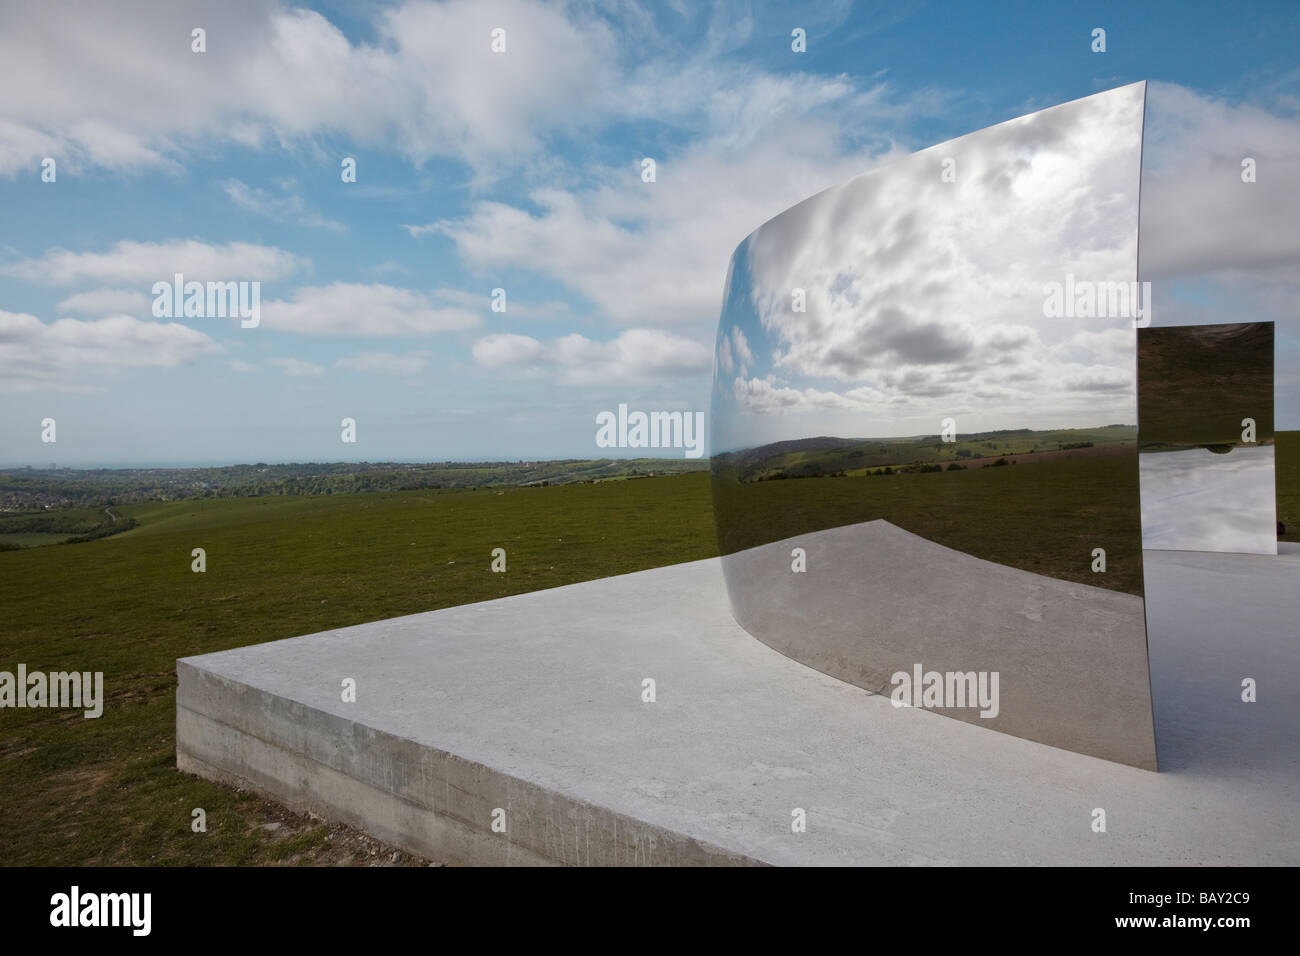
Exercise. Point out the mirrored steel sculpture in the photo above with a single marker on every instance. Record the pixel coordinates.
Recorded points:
(924, 430)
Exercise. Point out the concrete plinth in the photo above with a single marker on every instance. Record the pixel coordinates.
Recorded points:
(533, 704)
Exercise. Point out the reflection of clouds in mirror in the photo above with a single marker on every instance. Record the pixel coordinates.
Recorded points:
(925, 298)
(1197, 500)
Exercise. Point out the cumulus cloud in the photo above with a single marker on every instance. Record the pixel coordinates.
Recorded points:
(289, 207)
(726, 362)
(149, 262)
(1198, 216)
(635, 356)
(130, 94)
(768, 395)
(656, 253)
(67, 354)
(105, 301)
(348, 308)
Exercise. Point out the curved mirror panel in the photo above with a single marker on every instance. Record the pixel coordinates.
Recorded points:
(924, 416)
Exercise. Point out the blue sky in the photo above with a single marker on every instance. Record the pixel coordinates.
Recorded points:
(479, 170)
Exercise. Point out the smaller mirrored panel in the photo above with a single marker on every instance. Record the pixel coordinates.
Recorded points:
(1206, 442)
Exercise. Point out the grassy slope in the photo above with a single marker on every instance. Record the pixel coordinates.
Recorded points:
(105, 791)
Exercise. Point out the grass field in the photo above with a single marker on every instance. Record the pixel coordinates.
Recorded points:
(38, 528)
(106, 791)
(33, 539)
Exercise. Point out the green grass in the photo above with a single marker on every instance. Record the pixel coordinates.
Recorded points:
(106, 791)
(34, 539)
(40, 527)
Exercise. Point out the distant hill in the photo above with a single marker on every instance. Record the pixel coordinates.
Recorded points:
(828, 455)
(32, 490)
(763, 452)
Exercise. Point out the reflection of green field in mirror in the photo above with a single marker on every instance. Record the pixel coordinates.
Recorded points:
(1046, 514)
(1196, 383)
(1288, 483)
(1045, 518)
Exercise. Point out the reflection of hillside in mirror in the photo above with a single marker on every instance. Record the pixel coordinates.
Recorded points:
(1196, 383)
(1035, 500)
(884, 307)
(1209, 498)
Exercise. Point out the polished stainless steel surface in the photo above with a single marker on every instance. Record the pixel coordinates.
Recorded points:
(1206, 438)
(924, 419)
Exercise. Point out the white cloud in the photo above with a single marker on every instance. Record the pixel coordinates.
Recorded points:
(740, 344)
(1197, 214)
(67, 354)
(149, 262)
(734, 354)
(346, 308)
(635, 356)
(766, 395)
(297, 368)
(656, 253)
(130, 94)
(387, 363)
(1107, 345)
(725, 360)
(105, 301)
(290, 207)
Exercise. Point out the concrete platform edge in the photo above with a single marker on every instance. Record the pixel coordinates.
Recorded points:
(543, 827)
